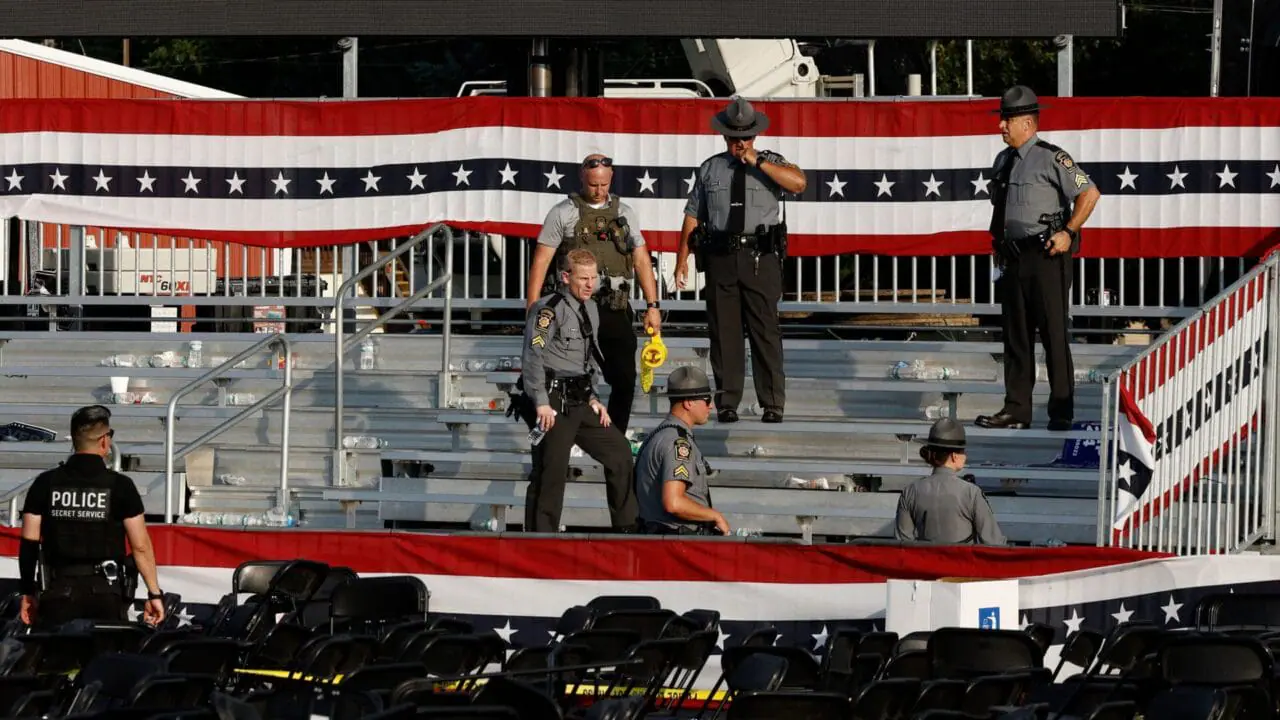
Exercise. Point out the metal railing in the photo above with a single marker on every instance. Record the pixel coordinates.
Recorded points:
(1188, 461)
(285, 351)
(341, 340)
(18, 492)
(106, 270)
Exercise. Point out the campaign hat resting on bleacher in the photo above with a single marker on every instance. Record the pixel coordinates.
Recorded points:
(946, 434)
(689, 382)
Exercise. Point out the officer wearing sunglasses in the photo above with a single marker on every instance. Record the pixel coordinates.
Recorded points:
(74, 525)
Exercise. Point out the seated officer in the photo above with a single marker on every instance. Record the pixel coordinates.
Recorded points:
(671, 475)
(945, 508)
(79, 515)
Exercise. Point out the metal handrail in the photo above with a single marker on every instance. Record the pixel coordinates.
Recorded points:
(12, 496)
(286, 389)
(340, 340)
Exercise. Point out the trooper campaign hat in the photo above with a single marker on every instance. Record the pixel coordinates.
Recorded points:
(739, 120)
(689, 382)
(946, 434)
(1019, 100)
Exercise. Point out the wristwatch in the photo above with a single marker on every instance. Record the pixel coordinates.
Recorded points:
(155, 596)
(654, 305)
(1075, 235)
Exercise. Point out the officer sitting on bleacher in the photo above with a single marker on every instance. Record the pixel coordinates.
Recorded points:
(944, 507)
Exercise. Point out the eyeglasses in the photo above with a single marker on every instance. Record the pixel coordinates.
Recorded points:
(598, 162)
(108, 434)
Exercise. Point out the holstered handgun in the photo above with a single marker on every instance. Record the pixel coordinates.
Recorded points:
(778, 238)
(698, 244)
(1057, 222)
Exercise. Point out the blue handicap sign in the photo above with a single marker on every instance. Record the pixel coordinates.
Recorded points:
(989, 618)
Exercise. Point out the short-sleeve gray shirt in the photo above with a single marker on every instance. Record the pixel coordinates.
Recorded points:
(945, 508)
(1045, 180)
(709, 201)
(564, 216)
(667, 457)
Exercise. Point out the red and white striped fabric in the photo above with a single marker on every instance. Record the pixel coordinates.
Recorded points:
(1201, 392)
(1179, 177)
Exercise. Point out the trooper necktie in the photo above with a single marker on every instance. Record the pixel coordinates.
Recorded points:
(737, 224)
(584, 324)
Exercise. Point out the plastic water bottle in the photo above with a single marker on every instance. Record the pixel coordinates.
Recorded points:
(937, 412)
(367, 354)
(485, 525)
(1088, 376)
(277, 517)
(195, 354)
(917, 370)
(363, 442)
(536, 435)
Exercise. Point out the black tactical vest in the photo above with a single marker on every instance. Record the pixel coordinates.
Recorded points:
(80, 525)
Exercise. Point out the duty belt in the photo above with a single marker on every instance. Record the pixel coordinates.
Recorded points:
(728, 242)
(572, 389)
(110, 570)
(655, 528)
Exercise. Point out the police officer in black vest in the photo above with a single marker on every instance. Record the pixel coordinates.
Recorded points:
(734, 221)
(1041, 200)
(77, 517)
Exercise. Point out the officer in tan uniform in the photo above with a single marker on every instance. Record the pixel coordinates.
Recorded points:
(598, 221)
(944, 507)
(734, 221)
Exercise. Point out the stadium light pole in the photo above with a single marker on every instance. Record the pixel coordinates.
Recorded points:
(350, 47)
(1215, 48)
(1066, 58)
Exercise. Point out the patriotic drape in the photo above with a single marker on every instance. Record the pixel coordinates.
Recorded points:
(1179, 177)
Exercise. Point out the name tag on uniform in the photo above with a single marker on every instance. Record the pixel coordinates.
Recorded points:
(80, 504)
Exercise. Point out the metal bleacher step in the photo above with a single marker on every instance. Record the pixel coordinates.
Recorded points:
(845, 416)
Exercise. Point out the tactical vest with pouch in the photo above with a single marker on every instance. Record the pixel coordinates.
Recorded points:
(603, 232)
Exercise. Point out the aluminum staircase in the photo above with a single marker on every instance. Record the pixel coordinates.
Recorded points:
(844, 417)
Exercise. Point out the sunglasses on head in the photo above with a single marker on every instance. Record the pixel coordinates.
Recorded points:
(598, 162)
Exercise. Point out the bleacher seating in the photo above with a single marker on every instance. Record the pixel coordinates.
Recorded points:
(848, 429)
(298, 639)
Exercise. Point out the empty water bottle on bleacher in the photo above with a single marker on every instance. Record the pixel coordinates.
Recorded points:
(1088, 376)
(363, 442)
(919, 370)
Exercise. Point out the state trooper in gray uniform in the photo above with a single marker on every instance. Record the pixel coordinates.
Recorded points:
(560, 348)
(671, 474)
(944, 507)
(1041, 200)
(735, 223)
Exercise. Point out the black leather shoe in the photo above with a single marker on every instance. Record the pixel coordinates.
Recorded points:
(1059, 425)
(1000, 420)
(728, 415)
(772, 416)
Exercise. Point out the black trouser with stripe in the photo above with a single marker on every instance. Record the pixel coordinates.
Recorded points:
(577, 424)
(1035, 294)
(743, 297)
